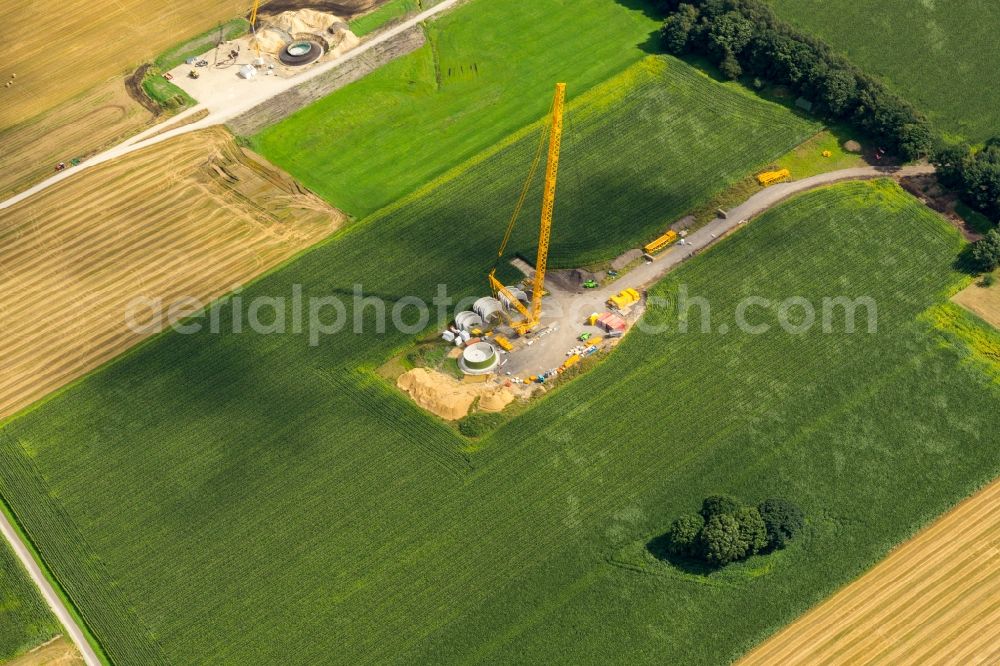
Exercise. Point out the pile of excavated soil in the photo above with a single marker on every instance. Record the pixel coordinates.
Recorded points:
(275, 31)
(449, 398)
(303, 20)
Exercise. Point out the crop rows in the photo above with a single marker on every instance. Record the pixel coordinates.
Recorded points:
(932, 600)
(938, 55)
(101, 39)
(25, 620)
(159, 224)
(264, 479)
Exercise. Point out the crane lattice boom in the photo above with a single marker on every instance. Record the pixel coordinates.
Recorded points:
(532, 315)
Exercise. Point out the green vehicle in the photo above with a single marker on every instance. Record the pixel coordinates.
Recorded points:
(590, 284)
(585, 336)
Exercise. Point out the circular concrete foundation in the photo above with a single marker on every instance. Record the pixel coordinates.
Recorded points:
(301, 52)
(479, 359)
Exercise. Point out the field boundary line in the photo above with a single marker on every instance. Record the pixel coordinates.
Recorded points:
(48, 592)
(221, 116)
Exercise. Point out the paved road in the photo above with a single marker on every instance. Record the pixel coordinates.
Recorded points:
(50, 596)
(568, 309)
(257, 92)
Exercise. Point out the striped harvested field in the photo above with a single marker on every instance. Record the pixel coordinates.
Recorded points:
(194, 216)
(934, 600)
(59, 49)
(77, 128)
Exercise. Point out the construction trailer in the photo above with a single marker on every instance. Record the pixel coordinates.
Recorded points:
(612, 323)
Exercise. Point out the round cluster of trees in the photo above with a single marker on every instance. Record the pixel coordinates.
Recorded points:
(746, 37)
(726, 531)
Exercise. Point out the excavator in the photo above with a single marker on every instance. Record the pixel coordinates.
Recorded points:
(531, 315)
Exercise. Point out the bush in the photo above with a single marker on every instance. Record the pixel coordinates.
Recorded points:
(683, 534)
(716, 505)
(986, 251)
(678, 29)
(753, 532)
(721, 541)
(782, 520)
(974, 174)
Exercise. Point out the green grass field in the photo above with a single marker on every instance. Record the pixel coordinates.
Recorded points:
(261, 500)
(25, 620)
(486, 71)
(939, 55)
(391, 10)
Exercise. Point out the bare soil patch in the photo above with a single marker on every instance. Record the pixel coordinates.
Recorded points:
(982, 301)
(346, 8)
(58, 652)
(932, 194)
(192, 216)
(934, 600)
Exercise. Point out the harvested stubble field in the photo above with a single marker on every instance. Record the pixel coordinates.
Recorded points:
(25, 620)
(940, 55)
(61, 48)
(329, 516)
(194, 216)
(102, 116)
(71, 59)
(934, 600)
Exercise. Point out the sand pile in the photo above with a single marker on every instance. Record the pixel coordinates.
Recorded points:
(447, 397)
(495, 400)
(302, 20)
(277, 31)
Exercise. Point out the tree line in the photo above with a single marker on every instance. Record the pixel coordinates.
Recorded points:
(746, 37)
(975, 175)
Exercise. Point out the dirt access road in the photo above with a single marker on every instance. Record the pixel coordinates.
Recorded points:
(224, 108)
(567, 310)
(48, 593)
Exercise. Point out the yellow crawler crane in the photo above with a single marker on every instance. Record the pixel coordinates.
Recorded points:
(530, 317)
(253, 29)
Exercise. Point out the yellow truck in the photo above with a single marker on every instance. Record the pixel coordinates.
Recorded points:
(664, 241)
(772, 177)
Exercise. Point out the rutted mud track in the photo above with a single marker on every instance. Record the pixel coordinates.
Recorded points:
(189, 217)
(934, 600)
(345, 8)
